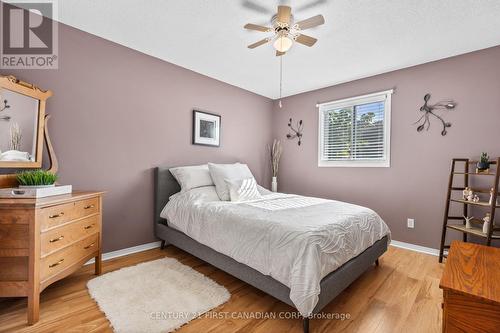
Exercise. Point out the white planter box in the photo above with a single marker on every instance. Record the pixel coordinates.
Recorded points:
(35, 192)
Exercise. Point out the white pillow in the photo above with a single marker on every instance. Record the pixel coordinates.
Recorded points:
(222, 172)
(243, 189)
(190, 177)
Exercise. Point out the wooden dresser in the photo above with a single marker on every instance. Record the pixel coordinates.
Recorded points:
(44, 240)
(471, 289)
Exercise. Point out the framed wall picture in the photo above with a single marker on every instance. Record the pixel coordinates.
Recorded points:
(206, 128)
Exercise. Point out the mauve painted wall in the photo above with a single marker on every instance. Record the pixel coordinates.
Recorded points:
(118, 113)
(415, 184)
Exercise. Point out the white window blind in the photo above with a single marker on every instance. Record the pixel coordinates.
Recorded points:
(355, 131)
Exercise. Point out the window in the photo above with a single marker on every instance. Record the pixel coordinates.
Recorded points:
(355, 132)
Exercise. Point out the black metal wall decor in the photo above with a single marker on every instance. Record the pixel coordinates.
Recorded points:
(297, 133)
(428, 111)
(4, 107)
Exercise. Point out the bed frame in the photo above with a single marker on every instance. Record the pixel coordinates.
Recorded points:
(331, 285)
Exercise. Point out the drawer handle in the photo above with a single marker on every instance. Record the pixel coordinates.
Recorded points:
(88, 246)
(56, 215)
(56, 239)
(56, 264)
(88, 207)
(88, 227)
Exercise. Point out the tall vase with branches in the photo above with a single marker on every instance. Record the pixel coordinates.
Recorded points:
(15, 137)
(275, 151)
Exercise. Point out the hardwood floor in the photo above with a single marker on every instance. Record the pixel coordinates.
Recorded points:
(401, 295)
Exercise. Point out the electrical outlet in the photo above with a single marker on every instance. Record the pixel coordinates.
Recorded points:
(410, 223)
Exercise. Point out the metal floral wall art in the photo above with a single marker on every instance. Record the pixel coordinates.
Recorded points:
(297, 132)
(3, 108)
(429, 110)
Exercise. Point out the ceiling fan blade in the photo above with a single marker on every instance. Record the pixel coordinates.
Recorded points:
(279, 54)
(259, 43)
(284, 13)
(306, 40)
(311, 22)
(251, 26)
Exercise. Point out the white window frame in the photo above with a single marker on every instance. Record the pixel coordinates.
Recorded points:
(357, 100)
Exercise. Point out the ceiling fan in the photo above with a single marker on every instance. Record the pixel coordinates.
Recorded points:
(286, 31)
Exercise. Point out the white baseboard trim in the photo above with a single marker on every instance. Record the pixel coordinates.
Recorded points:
(416, 248)
(154, 245)
(127, 251)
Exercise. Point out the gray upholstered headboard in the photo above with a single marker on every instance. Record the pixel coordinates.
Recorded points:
(165, 186)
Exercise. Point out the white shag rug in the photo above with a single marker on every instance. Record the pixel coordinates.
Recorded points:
(155, 297)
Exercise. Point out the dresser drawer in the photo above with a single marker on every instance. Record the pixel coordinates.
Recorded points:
(56, 215)
(57, 262)
(57, 238)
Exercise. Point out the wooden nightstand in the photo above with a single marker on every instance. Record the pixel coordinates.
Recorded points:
(44, 240)
(471, 289)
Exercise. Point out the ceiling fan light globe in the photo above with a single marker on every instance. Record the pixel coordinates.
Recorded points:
(283, 43)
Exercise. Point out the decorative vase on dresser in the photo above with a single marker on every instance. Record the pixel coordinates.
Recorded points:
(44, 240)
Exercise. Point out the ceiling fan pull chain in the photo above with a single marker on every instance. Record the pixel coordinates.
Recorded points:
(281, 80)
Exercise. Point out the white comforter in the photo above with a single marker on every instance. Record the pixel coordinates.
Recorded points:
(296, 240)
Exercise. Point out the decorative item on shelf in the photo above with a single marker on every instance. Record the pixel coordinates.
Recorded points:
(483, 165)
(470, 196)
(297, 133)
(486, 224)
(493, 197)
(476, 198)
(275, 152)
(466, 192)
(429, 110)
(468, 220)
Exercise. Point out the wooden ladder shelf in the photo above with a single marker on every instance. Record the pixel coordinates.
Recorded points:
(493, 231)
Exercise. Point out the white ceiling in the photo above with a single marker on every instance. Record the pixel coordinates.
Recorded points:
(360, 37)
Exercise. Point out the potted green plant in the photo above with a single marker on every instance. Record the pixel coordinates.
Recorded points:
(36, 179)
(484, 162)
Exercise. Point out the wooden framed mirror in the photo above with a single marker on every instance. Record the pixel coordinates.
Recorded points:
(22, 127)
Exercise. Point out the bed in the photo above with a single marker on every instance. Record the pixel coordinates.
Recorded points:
(330, 285)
